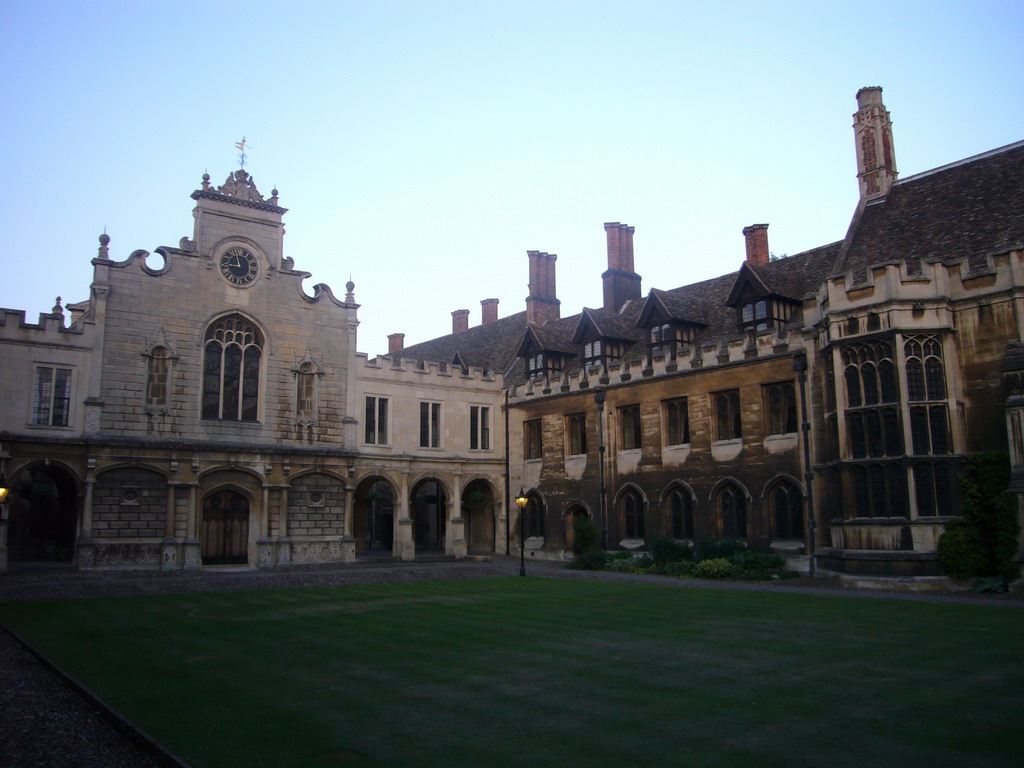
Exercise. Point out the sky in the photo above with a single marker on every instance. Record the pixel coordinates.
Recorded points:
(422, 148)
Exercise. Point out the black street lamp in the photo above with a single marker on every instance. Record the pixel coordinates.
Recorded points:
(521, 502)
(4, 490)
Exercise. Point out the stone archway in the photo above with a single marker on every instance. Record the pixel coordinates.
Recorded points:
(43, 516)
(373, 521)
(478, 512)
(429, 515)
(224, 537)
(572, 514)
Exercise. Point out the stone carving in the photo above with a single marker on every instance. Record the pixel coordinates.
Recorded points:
(187, 245)
(127, 554)
(316, 551)
(241, 185)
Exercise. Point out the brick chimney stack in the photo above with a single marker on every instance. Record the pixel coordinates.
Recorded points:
(757, 243)
(460, 320)
(876, 158)
(542, 304)
(396, 342)
(621, 283)
(488, 311)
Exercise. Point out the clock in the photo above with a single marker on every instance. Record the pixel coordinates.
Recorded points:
(238, 266)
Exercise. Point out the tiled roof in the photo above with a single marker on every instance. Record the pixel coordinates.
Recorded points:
(492, 346)
(969, 209)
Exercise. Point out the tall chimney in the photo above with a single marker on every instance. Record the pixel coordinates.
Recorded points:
(876, 158)
(460, 320)
(396, 342)
(620, 282)
(757, 243)
(542, 304)
(488, 311)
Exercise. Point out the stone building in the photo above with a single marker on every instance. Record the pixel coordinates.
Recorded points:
(819, 405)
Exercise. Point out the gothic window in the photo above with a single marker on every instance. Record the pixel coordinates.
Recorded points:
(51, 398)
(880, 490)
(926, 382)
(780, 405)
(871, 381)
(576, 429)
(787, 506)
(479, 427)
(376, 426)
(677, 422)
(681, 506)
(231, 370)
(728, 424)
(157, 377)
(430, 425)
(534, 447)
(935, 489)
(629, 418)
(731, 504)
(632, 507)
(533, 517)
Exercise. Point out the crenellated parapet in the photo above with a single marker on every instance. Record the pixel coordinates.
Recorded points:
(50, 330)
(407, 370)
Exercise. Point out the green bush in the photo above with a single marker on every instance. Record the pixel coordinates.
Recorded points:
(752, 562)
(643, 562)
(622, 565)
(711, 549)
(715, 568)
(591, 561)
(680, 568)
(989, 525)
(665, 550)
(585, 534)
(960, 550)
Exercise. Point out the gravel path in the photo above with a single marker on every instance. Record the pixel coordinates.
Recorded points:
(46, 722)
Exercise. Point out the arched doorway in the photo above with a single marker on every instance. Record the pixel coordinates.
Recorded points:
(43, 516)
(373, 523)
(225, 534)
(478, 512)
(428, 515)
(574, 514)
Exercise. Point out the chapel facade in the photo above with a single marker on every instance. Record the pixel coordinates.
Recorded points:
(819, 405)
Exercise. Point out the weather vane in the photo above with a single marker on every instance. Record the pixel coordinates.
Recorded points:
(240, 146)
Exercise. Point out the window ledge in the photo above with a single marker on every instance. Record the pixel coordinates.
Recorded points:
(726, 450)
(781, 442)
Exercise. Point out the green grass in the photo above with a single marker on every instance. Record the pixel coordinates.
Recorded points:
(536, 672)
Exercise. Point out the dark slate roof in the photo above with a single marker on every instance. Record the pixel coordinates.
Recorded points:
(972, 208)
(606, 324)
(675, 307)
(492, 346)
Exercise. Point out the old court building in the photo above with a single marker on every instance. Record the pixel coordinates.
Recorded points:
(243, 426)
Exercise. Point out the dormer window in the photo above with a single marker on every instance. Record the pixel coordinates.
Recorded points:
(597, 353)
(592, 351)
(664, 338)
(763, 314)
(542, 364)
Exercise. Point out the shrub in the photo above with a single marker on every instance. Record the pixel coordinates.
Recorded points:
(989, 524)
(960, 550)
(585, 533)
(680, 568)
(710, 549)
(643, 562)
(757, 563)
(665, 550)
(622, 565)
(715, 568)
(590, 561)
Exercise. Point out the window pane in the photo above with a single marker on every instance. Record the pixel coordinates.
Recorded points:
(474, 427)
(43, 396)
(935, 379)
(250, 384)
(61, 397)
(939, 429)
(370, 432)
(211, 381)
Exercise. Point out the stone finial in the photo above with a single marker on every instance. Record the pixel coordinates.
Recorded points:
(104, 251)
(350, 288)
(57, 308)
(206, 182)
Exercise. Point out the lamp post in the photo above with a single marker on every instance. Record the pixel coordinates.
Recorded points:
(521, 502)
(800, 366)
(599, 398)
(4, 490)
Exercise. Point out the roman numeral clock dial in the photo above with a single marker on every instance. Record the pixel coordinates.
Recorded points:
(238, 266)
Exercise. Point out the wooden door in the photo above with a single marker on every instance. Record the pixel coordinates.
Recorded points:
(225, 535)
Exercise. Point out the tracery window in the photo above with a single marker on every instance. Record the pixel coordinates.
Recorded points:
(880, 490)
(787, 506)
(677, 421)
(576, 429)
(305, 393)
(728, 421)
(533, 517)
(632, 507)
(231, 370)
(629, 418)
(780, 406)
(935, 488)
(681, 507)
(731, 504)
(533, 447)
(926, 383)
(873, 425)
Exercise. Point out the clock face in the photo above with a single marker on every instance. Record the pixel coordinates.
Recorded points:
(238, 266)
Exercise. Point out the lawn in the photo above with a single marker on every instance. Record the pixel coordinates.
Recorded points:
(547, 672)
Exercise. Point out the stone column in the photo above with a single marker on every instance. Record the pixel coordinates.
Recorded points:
(404, 547)
(193, 555)
(456, 539)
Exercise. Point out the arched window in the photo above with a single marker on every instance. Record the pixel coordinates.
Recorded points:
(681, 506)
(305, 393)
(231, 370)
(533, 517)
(731, 503)
(787, 506)
(926, 382)
(633, 515)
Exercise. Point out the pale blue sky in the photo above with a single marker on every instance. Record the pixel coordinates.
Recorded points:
(423, 148)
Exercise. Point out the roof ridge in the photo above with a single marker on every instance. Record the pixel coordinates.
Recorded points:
(964, 161)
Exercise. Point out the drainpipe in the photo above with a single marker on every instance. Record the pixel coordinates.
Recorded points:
(599, 398)
(508, 495)
(800, 366)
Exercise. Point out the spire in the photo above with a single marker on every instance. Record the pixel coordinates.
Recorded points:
(876, 159)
